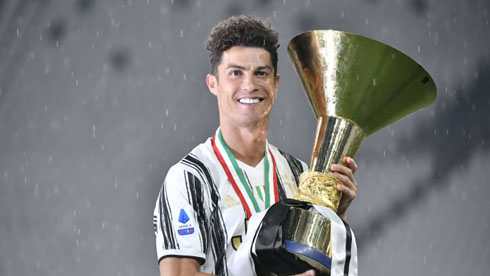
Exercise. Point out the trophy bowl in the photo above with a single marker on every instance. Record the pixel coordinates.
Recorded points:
(356, 86)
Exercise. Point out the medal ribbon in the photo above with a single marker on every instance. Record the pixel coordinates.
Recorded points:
(241, 177)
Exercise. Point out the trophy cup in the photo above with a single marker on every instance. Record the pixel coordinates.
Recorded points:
(355, 86)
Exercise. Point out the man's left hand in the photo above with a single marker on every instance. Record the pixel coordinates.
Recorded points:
(349, 188)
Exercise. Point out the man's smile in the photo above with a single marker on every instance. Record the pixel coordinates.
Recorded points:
(253, 100)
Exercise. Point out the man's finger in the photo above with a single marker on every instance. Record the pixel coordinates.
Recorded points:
(343, 170)
(351, 163)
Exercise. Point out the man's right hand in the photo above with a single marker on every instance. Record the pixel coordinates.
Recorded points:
(177, 266)
(310, 272)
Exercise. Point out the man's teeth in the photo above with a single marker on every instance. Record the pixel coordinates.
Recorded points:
(249, 101)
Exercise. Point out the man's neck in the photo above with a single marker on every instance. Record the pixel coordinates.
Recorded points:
(246, 143)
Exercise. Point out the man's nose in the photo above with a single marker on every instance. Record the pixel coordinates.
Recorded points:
(248, 83)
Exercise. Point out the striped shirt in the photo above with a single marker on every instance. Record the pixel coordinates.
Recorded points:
(198, 214)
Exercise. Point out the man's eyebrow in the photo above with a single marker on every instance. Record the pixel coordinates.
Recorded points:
(243, 68)
(263, 67)
(235, 66)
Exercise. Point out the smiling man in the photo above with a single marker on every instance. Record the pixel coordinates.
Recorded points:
(207, 198)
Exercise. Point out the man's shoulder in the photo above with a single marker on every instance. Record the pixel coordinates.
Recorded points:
(197, 161)
(289, 158)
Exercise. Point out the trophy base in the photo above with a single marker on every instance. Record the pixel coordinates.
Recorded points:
(292, 240)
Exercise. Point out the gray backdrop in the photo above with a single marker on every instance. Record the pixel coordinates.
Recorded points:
(99, 98)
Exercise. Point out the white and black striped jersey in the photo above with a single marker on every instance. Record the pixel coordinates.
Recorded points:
(198, 213)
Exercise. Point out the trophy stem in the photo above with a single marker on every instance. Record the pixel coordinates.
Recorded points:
(335, 138)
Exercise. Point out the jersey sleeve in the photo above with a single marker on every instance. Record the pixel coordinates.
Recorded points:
(180, 217)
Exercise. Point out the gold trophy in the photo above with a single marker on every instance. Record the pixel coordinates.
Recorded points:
(355, 86)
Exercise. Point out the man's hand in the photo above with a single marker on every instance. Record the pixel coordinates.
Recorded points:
(310, 272)
(349, 190)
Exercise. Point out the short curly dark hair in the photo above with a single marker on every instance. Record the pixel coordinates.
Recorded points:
(242, 30)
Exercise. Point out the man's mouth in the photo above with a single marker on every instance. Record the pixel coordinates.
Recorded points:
(250, 100)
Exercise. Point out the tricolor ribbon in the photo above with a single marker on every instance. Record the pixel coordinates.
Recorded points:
(238, 181)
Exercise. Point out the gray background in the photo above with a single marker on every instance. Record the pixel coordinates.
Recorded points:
(99, 98)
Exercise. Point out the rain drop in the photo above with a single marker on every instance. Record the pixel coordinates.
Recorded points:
(36, 191)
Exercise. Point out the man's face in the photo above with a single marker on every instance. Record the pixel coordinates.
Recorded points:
(245, 86)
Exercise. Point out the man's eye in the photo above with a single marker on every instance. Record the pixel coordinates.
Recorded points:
(235, 73)
(261, 73)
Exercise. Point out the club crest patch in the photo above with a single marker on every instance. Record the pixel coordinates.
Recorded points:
(185, 228)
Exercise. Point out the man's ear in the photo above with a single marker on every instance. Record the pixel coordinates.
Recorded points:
(212, 82)
(277, 82)
(278, 77)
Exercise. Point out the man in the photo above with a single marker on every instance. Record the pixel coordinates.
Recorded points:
(207, 198)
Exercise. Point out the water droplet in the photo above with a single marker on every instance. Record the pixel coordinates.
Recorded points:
(36, 191)
(418, 48)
